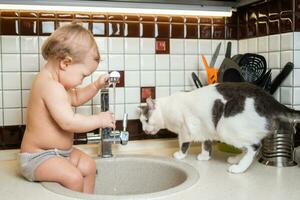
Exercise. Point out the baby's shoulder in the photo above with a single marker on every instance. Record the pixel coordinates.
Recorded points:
(47, 85)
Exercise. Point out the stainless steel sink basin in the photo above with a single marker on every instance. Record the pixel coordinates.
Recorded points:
(130, 177)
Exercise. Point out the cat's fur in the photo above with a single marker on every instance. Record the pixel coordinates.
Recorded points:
(239, 114)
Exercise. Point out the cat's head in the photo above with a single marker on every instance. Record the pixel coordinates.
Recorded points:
(151, 117)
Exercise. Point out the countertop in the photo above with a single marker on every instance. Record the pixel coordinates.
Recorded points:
(258, 182)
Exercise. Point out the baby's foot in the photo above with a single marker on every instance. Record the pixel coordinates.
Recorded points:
(203, 156)
(236, 169)
(233, 159)
(179, 155)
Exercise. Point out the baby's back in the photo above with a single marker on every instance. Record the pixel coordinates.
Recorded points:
(42, 132)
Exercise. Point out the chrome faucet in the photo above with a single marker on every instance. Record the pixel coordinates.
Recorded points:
(109, 136)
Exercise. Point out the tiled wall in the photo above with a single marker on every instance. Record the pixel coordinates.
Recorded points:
(154, 54)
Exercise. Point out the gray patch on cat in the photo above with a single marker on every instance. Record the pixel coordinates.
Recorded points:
(234, 106)
(208, 146)
(184, 147)
(217, 111)
(146, 112)
(265, 105)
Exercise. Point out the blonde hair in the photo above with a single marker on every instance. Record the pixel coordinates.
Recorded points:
(70, 40)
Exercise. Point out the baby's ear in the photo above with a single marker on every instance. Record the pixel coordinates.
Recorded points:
(151, 103)
(64, 63)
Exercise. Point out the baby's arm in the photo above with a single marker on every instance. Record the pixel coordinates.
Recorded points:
(58, 104)
(81, 95)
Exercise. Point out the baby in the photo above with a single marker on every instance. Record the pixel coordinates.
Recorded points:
(46, 150)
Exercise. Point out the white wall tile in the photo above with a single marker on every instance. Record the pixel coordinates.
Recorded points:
(132, 62)
(297, 95)
(191, 46)
(296, 77)
(176, 62)
(24, 114)
(147, 62)
(191, 62)
(103, 64)
(147, 78)
(274, 60)
(177, 78)
(116, 45)
(1, 103)
(286, 95)
(102, 44)
(162, 62)
(27, 79)
(86, 81)
(10, 44)
(0, 81)
(176, 89)
(132, 78)
(116, 62)
(12, 98)
(177, 46)
(11, 80)
(252, 45)
(286, 56)
(119, 95)
(188, 78)
(42, 39)
(133, 111)
(263, 44)
(132, 45)
(214, 45)
(288, 82)
(297, 40)
(275, 73)
(1, 117)
(205, 46)
(29, 44)
(162, 78)
(120, 110)
(12, 116)
(25, 97)
(30, 62)
(243, 46)
(274, 42)
(11, 62)
(162, 91)
(147, 46)
(287, 41)
(132, 95)
(297, 59)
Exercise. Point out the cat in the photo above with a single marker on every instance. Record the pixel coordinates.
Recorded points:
(239, 114)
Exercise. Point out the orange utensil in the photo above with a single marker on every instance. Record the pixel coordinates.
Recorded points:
(212, 73)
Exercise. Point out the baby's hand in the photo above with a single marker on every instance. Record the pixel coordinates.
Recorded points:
(107, 119)
(103, 80)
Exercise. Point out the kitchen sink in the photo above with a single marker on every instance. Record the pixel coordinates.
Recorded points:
(135, 176)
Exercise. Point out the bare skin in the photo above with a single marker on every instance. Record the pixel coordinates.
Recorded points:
(51, 122)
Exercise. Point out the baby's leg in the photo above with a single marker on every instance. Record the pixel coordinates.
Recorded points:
(245, 162)
(87, 167)
(58, 169)
(183, 151)
(206, 151)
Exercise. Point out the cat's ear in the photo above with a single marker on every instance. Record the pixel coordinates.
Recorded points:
(151, 103)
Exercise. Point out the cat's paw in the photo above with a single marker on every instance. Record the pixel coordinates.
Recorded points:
(203, 157)
(179, 155)
(233, 159)
(236, 169)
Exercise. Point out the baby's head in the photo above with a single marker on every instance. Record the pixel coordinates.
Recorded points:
(74, 51)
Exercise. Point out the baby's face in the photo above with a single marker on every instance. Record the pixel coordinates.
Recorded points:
(75, 73)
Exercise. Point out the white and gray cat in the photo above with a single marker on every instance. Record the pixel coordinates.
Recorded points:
(239, 114)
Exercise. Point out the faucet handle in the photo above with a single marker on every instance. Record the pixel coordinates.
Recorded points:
(125, 121)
